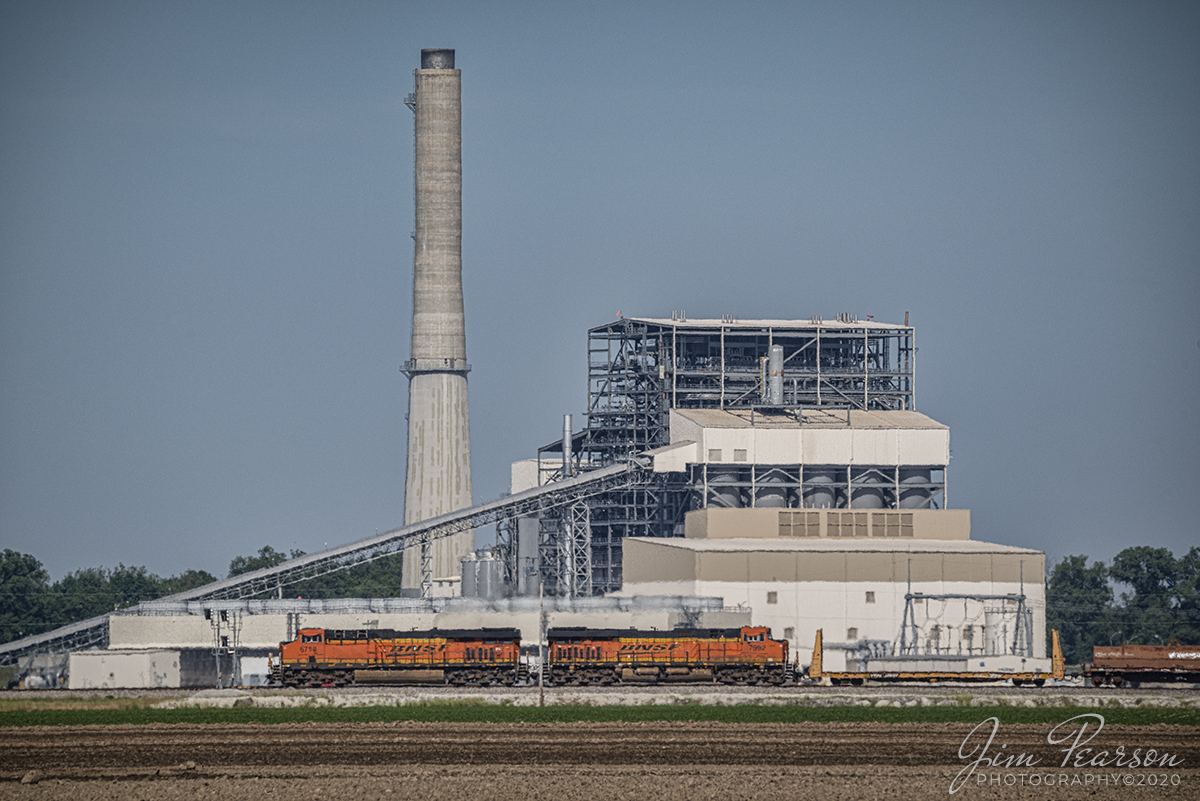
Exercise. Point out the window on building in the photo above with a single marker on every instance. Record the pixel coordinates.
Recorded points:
(870, 597)
(851, 634)
(789, 633)
(714, 454)
(739, 454)
(772, 597)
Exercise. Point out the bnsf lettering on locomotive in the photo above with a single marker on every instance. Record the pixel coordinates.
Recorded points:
(644, 648)
(412, 648)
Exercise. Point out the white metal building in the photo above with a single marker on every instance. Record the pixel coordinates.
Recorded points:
(851, 580)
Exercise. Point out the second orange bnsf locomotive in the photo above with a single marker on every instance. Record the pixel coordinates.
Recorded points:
(336, 657)
(606, 656)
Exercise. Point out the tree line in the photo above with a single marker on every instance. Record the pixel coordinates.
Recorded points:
(31, 604)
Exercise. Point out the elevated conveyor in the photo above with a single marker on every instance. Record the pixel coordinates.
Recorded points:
(93, 632)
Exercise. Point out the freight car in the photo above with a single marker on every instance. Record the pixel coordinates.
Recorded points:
(1116, 666)
(581, 656)
(337, 657)
(930, 669)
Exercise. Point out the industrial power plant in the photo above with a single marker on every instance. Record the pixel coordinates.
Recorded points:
(727, 473)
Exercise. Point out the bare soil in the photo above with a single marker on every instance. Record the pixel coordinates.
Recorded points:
(564, 762)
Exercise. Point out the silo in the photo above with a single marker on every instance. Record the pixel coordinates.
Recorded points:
(820, 487)
(482, 576)
(770, 490)
(468, 576)
(723, 489)
(914, 489)
(868, 489)
(528, 556)
(439, 444)
(489, 580)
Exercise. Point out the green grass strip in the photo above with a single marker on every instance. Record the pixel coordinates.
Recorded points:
(477, 712)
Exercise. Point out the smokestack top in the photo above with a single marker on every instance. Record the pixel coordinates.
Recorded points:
(437, 59)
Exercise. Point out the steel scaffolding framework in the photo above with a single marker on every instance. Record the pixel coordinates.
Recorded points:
(641, 368)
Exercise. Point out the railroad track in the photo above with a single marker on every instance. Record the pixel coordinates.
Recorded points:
(747, 694)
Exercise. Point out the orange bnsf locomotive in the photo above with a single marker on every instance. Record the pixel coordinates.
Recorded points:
(606, 656)
(336, 657)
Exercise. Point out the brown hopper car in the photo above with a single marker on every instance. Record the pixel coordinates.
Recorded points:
(1117, 665)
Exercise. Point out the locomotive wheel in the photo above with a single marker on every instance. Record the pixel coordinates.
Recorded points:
(1039, 682)
(1117, 681)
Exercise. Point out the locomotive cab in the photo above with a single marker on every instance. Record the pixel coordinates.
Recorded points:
(755, 634)
(309, 646)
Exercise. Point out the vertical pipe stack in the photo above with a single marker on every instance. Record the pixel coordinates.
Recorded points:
(775, 383)
(439, 444)
(567, 466)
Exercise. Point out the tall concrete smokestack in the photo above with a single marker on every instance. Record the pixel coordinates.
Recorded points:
(439, 442)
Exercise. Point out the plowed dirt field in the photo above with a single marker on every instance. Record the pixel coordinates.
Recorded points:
(448, 762)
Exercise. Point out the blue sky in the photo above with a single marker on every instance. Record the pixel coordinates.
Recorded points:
(205, 262)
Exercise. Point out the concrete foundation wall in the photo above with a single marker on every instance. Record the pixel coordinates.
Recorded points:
(102, 670)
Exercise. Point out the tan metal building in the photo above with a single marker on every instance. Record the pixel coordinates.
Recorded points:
(848, 572)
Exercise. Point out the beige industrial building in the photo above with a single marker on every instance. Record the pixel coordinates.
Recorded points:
(848, 573)
(822, 519)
